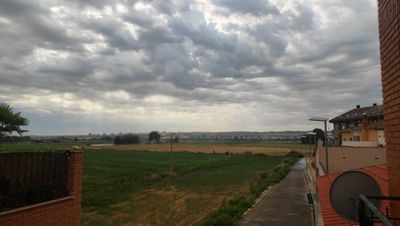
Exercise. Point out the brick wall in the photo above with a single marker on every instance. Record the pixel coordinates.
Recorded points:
(65, 211)
(389, 29)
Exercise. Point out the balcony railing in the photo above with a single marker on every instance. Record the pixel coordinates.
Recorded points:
(368, 214)
(376, 125)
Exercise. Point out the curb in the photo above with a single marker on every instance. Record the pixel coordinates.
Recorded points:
(258, 199)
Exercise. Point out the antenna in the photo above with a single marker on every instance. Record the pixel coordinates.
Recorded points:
(346, 189)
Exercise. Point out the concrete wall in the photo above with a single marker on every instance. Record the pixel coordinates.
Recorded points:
(341, 159)
(320, 157)
(389, 29)
(60, 212)
(346, 136)
(365, 135)
(359, 143)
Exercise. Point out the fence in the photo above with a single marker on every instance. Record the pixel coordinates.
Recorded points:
(32, 177)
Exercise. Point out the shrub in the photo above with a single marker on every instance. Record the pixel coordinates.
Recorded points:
(231, 211)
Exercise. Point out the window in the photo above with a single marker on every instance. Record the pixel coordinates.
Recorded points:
(356, 136)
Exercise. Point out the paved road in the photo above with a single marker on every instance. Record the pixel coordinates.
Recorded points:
(284, 205)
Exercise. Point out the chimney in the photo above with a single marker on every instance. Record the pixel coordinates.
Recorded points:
(358, 106)
(374, 104)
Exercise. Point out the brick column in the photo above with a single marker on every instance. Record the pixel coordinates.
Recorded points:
(389, 17)
(74, 184)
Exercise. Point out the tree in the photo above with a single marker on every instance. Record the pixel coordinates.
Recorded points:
(176, 139)
(154, 136)
(307, 139)
(127, 139)
(11, 121)
(320, 135)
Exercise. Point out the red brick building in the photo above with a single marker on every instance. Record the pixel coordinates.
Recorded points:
(389, 29)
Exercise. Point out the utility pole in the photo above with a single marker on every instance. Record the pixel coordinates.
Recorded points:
(170, 157)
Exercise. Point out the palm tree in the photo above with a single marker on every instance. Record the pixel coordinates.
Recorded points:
(10, 121)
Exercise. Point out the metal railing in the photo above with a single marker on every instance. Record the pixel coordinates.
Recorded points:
(368, 214)
(32, 177)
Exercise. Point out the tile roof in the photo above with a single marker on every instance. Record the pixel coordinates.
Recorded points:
(358, 113)
(330, 217)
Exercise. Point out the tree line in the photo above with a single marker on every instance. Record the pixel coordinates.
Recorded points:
(154, 137)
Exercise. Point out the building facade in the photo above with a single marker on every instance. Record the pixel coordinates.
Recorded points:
(389, 38)
(361, 126)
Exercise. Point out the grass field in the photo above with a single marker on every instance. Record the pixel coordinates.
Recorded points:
(137, 188)
(210, 184)
(210, 148)
(45, 146)
(265, 147)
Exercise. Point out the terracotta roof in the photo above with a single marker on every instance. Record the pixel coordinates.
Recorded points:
(330, 217)
(358, 113)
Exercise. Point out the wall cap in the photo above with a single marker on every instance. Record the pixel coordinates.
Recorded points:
(71, 196)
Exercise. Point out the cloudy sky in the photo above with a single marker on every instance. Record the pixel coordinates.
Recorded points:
(74, 67)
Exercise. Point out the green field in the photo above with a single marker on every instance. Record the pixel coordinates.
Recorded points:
(30, 146)
(45, 146)
(137, 188)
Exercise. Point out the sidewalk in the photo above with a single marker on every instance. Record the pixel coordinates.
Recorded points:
(284, 205)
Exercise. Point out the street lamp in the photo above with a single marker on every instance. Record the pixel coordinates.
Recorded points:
(320, 119)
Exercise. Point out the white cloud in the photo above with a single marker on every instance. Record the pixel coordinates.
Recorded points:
(186, 65)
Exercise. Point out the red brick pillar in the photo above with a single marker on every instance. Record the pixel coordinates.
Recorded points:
(74, 184)
(389, 24)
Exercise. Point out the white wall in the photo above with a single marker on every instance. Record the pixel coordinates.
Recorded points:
(359, 143)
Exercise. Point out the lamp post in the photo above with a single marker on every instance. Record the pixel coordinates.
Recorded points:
(320, 119)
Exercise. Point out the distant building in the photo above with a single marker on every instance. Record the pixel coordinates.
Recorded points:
(361, 126)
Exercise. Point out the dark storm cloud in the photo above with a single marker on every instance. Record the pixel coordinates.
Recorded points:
(113, 31)
(158, 35)
(164, 6)
(203, 34)
(256, 7)
(275, 57)
(140, 18)
(33, 22)
(70, 67)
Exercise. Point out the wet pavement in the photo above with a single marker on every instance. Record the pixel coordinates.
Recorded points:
(285, 204)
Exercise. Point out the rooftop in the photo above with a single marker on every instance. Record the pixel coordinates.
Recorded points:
(360, 112)
(330, 217)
